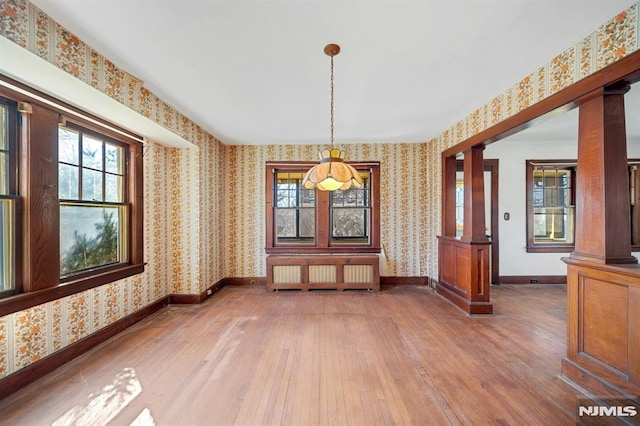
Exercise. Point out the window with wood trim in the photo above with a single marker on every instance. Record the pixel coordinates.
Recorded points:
(92, 171)
(313, 221)
(551, 205)
(93, 210)
(8, 197)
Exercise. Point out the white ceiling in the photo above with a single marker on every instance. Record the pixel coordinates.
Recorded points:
(254, 71)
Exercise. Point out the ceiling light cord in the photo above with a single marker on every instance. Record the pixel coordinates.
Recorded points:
(332, 102)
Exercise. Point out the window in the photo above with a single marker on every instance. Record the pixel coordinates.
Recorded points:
(8, 147)
(313, 221)
(93, 211)
(294, 210)
(351, 214)
(551, 205)
(75, 201)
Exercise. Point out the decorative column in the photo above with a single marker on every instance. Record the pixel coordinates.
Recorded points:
(603, 278)
(463, 264)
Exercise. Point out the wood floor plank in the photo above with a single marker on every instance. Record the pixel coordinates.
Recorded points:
(248, 357)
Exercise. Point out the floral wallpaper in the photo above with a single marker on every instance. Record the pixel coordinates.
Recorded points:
(183, 192)
(202, 225)
(403, 209)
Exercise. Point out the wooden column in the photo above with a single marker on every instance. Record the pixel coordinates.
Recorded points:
(474, 210)
(603, 231)
(603, 278)
(463, 264)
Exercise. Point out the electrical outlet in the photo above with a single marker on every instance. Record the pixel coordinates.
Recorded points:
(534, 281)
(209, 292)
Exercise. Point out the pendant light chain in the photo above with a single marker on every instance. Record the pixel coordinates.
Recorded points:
(332, 162)
(332, 101)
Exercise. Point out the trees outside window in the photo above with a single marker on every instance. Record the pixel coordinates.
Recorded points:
(300, 220)
(75, 201)
(92, 207)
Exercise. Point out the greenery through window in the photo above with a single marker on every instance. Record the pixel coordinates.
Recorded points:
(71, 200)
(313, 221)
(92, 208)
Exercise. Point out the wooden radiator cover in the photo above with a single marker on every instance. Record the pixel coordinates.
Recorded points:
(330, 271)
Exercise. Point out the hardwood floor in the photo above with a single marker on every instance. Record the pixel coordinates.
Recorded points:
(245, 356)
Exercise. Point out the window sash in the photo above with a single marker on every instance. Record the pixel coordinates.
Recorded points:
(80, 252)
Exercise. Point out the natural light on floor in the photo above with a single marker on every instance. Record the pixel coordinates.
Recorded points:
(103, 407)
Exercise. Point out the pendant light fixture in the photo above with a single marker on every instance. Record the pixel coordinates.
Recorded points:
(332, 173)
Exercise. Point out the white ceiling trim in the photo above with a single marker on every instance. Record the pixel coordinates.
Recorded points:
(23, 66)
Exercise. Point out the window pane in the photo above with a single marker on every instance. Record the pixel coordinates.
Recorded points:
(350, 223)
(295, 225)
(4, 173)
(91, 185)
(68, 146)
(113, 188)
(308, 197)
(285, 195)
(285, 223)
(4, 127)
(68, 182)
(91, 152)
(537, 179)
(550, 197)
(553, 225)
(307, 223)
(7, 219)
(538, 198)
(4, 150)
(113, 159)
(90, 236)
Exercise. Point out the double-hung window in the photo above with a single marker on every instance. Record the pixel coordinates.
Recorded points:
(551, 205)
(8, 198)
(71, 200)
(294, 209)
(93, 209)
(303, 220)
(351, 214)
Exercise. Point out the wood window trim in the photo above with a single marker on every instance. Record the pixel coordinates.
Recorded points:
(12, 135)
(550, 247)
(38, 251)
(532, 246)
(322, 243)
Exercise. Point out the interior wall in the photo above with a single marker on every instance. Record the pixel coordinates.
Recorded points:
(184, 233)
(514, 259)
(405, 213)
(183, 200)
(29, 335)
(612, 41)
